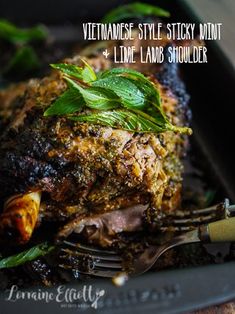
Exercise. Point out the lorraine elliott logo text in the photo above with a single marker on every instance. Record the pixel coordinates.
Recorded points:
(84, 297)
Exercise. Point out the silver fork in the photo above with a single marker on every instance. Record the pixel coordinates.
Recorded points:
(106, 263)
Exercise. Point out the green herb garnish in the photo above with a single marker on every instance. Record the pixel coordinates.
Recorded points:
(134, 10)
(130, 95)
(26, 256)
(143, 82)
(69, 102)
(96, 97)
(85, 74)
(122, 119)
(120, 98)
(128, 120)
(16, 35)
(25, 60)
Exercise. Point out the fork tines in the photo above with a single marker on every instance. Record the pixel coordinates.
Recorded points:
(185, 220)
(89, 260)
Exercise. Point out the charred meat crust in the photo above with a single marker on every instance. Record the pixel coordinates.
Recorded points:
(85, 169)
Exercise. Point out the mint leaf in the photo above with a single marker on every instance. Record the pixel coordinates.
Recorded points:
(133, 10)
(134, 121)
(69, 102)
(131, 96)
(68, 69)
(158, 117)
(96, 97)
(122, 119)
(15, 35)
(26, 256)
(142, 81)
(86, 74)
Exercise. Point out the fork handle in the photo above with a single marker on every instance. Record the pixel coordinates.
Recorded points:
(222, 230)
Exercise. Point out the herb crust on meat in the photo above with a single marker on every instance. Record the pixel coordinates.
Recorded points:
(86, 171)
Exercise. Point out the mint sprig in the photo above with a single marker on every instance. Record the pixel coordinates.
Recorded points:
(120, 98)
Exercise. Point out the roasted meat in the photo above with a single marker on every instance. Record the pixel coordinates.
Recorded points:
(94, 179)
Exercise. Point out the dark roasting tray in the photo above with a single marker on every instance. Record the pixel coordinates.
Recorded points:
(212, 102)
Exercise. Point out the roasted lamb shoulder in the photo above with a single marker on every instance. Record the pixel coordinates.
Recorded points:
(96, 180)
